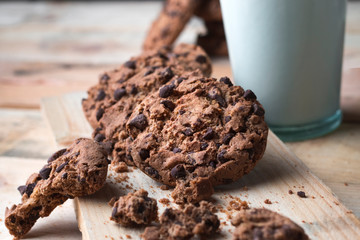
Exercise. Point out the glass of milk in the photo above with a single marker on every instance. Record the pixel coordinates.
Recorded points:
(289, 52)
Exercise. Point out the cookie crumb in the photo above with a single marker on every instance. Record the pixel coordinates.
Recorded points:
(121, 167)
(301, 194)
(164, 187)
(135, 209)
(128, 236)
(112, 201)
(291, 192)
(237, 204)
(164, 201)
(346, 184)
(267, 201)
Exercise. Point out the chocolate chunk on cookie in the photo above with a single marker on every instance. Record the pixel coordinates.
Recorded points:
(135, 209)
(184, 224)
(76, 171)
(211, 136)
(265, 224)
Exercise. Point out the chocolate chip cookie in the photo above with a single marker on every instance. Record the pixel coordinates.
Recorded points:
(196, 133)
(135, 209)
(126, 82)
(214, 41)
(209, 10)
(76, 171)
(264, 224)
(184, 224)
(170, 22)
(123, 96)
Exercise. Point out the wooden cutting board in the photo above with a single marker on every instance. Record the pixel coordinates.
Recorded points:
(320, 214)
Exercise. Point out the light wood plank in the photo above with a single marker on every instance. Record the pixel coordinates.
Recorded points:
(61, 224)
(321, 214)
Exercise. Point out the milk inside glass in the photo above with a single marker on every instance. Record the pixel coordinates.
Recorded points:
(289, 52)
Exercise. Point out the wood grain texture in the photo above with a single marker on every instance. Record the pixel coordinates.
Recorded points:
(61, 224)
(51, 48)
(321, 214)
(23, 133)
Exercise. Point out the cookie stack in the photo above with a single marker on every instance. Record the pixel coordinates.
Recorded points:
(175, 15)
(163, 113)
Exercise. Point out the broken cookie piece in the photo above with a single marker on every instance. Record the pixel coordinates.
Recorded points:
(135, 209)
(184, 224)
(77, 171)
(264, 224)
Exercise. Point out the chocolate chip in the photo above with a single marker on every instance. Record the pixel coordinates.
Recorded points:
(166, 75)
(249, 95)
(134, 90)
(257, 233)
(227, 119)
(130, 64)
(148, 72)
(180, 79)
(212, 164)
(30, 188)
(221, 157)
(21, 189)
(144, 154)
(59, 168)
(166, 91)
(176, 150)
(204, 146)
(228, 137)
(152, 172)
(101, 95)
(104, 78)
(209, 134)
(140, 122)
(188, 132)
(56, 155)
(301, 194)
(258, 110)
(226, 80)
(119, 93)
(99, 114)
(45, 172)
(215, 94)
(178, 171)
(129, 157)
(221, 101)
(200, 59)
(168, 104)
(181, 112)
(114, 212)
(64, 176)
(99, 137)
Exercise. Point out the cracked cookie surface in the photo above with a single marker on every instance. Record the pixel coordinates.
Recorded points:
(184, 224)
(135, 209)
(265, 224)
(197, 133)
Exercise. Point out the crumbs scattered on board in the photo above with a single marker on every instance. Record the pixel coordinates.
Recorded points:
(164, 201)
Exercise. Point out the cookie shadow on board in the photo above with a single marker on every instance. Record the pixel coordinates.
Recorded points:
(54, 229)
(269, 170)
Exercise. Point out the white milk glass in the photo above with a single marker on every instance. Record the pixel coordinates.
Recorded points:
(289, 52)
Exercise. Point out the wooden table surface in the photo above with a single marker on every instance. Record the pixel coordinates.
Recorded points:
(50, 49)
